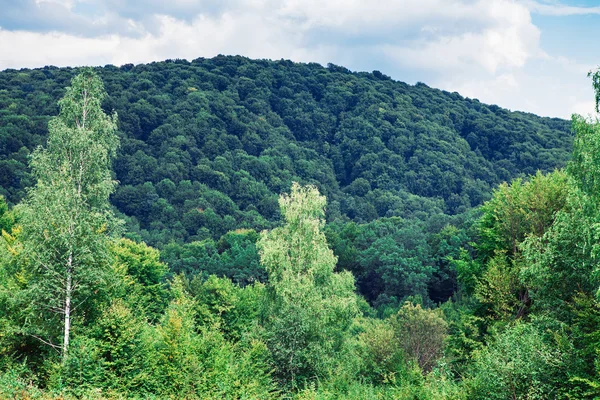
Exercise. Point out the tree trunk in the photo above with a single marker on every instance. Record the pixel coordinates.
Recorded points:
(68, 307)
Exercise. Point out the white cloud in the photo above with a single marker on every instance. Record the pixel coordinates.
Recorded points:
(491, 50)
(548, 87)
(31, 49)
(559, 10)
(585, 108)
(250, 35)
(68, 4)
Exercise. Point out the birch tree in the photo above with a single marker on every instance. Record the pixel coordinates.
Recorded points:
(66, 219)
(309, 307)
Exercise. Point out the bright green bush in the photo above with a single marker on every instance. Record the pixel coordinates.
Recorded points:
(518, 364)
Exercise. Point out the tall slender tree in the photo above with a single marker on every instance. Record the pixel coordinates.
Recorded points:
(309, 307)
(67, 222)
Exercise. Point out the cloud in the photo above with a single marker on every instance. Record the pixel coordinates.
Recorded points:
(249, 35)
(490, 34)
(31, 49)
(535, 88)
(49, 16)
(490, 51)
(559, 10)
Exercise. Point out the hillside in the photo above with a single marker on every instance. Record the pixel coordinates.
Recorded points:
(207, 146)
(415, 300)
(229, 134)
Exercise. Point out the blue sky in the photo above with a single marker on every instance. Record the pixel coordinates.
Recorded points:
(530, 55)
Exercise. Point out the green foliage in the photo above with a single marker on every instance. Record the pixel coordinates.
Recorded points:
(16, 383)
(112, 356)
(309, 307)
(518, 364)
(197, 362)
(498, 288)
(519, 210)
(495, 303)
(208, 145)
(7, 218)
(123, 357)
(394, 258)
(143, 275)
(381, 358)
(421, 334)
(234, 256)
(466, 333)
(519, 213)
(228, 134)
(66, 218)
(586, 336)
(595, 75)
(439, 385)
(222, 304)
(564, 260)
(584, 166)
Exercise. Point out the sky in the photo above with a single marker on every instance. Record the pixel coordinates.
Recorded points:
(529, 55)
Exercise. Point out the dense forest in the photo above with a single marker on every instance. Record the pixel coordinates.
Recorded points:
(229, 228)
(208, 146)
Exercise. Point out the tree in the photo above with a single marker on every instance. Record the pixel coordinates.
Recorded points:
(520, 209)
(517, 364)
(585, 163)
(595, 75)
(66, 218)
(381, 358)
(517, 216)
(309, 307)
(421, 334)
(564, 260)
(144, 276)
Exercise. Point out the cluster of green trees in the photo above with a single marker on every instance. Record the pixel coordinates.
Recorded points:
(87, 312)
(207, 146)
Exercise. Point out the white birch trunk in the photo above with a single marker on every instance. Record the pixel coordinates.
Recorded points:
(67, 310)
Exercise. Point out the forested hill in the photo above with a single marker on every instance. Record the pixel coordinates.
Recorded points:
(494, 302)
(208, 145)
